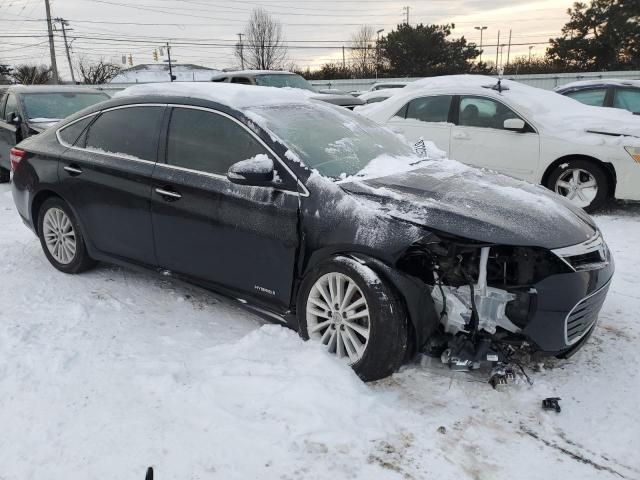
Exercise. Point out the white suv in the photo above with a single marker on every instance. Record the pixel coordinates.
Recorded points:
(587, 154)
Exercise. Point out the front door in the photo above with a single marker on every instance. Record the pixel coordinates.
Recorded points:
(241, 238)
(425, 118)
(106, 175)
(9, 130)
(479, 139)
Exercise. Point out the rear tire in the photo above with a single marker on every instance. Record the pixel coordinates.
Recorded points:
(582, 182)
(61, 238)
(5, 175)
(366, 324)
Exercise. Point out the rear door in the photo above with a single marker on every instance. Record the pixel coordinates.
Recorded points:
(106, 175)
(239, 237)
(8, 130)
(479, 138)
(425, 118)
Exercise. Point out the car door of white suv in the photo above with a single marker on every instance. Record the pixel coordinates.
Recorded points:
(488, 134)
(425, 117)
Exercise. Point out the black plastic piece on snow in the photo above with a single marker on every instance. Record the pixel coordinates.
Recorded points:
(551, 403)
(149, 475)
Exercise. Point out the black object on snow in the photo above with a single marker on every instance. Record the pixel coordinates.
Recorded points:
(551, 403)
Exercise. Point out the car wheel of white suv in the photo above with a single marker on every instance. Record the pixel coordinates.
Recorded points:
(583, 182)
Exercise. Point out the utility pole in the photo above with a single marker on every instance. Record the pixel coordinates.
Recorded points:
(344, 65)
(497, 49)
(509, 49)
(241, 46)
(378, 50)
(52, 48)
(169, 58)
(530, 48)
(405, 10)
(482, 29)
(64, 23)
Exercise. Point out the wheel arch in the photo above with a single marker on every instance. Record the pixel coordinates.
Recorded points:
(608, 168)
(37, 202)
(422, 319)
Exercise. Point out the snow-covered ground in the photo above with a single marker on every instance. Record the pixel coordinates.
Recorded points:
(106, 373)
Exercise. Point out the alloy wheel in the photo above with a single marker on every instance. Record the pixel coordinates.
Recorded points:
(338, 316)
(59, 235)
(577, 185)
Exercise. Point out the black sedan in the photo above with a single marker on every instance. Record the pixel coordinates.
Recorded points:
(318, 218)
(624, 94)
(27, 110)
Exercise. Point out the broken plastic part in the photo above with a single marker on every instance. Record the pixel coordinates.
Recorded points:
(551, 403)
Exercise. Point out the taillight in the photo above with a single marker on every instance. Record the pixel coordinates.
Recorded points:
(15, 155)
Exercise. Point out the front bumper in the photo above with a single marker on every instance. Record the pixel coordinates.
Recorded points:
(567, 308)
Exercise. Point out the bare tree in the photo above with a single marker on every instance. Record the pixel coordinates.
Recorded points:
(263, 47)
(98, 72)
(32, 74)
(363, 51)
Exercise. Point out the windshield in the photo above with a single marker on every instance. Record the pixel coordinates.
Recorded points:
(49, 106)
(334, 141)
(283, 80)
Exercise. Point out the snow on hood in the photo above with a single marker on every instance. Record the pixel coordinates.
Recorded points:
(556, 114)
(234, 96)
(448, 196)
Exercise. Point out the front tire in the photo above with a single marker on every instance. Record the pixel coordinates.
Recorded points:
(582, 182)
(61, 238)
(346, 307)
(5, 175)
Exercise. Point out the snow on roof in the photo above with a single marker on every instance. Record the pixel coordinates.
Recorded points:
(232, 95)
(156, 72)
(601, 81)
(253, 72)
(546, 109)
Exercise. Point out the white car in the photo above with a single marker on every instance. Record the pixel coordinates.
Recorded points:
(587, 154)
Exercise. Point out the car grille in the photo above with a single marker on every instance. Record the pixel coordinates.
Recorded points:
(583, 316)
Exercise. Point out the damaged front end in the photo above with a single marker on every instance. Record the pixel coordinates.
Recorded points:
(494, 301)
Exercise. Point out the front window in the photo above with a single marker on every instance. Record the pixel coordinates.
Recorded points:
(335, 142)
(47, 107)
(484, 113)
(283, 80)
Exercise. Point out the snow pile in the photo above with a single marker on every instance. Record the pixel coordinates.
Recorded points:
(234, 96)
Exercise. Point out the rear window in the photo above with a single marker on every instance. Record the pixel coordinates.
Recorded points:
(628, 99)
(283, 80)
(131, 131)
(47, 107)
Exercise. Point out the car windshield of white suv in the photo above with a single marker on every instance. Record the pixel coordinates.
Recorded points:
(336, 143)
(51, 106)
(282, 80)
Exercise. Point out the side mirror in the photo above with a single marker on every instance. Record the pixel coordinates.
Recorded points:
(514, 124)
(257, 171)
(14, 118)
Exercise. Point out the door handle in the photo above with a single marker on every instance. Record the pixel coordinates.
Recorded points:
(168, 194)
(73, 170)
(461, 136)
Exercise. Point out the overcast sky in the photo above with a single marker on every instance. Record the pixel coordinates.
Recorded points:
(315, 29)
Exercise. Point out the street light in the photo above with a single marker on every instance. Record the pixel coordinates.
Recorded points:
(530, 48)
(378, 49)
(482, 29)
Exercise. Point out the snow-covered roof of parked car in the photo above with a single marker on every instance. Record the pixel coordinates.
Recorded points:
(546, 108)
(611, 82)
(231, 95)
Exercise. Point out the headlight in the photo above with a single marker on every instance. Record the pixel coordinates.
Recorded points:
(634, 152)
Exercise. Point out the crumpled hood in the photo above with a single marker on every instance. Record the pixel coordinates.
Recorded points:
(476, 204)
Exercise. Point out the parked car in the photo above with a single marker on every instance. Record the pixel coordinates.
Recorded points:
(624, 94)
(28, 110)
(377, 95)
(343, 234)
(281, 79)
(587, 154)
(387, 85)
